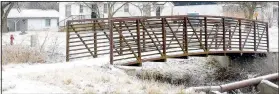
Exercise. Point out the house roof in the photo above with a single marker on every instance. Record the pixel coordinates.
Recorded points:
(187, 3)
(32, 13)
(164, 3)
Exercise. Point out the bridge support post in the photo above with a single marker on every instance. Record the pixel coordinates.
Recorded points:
(95, 39)
(240, 41)
(163, 55)
(255, 36)
(67, 41)
(111, 44)
(138, 43)
(267, 37)
(164, 39)
(230, 38)
(120, 38)
(185, 34)
(205, 36)
(224, 36)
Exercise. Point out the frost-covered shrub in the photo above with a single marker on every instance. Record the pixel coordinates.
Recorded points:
(22, 54)
(169, 77)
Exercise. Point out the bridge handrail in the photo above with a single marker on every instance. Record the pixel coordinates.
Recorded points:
(175, 16)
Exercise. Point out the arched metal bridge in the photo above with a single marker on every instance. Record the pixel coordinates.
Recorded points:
(133, 40)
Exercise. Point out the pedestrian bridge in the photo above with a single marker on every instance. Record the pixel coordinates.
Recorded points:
(133, 40)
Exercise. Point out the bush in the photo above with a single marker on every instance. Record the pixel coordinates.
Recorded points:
(169, 77)
(22, 54)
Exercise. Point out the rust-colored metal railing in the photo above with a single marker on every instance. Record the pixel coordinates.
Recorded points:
(139, 39)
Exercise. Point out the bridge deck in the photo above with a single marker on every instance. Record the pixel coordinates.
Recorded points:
(140, 39)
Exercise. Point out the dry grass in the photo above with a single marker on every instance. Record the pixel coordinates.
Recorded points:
(154, 90)
(22, 54)
(67, 82)
(169, 77)
(229, 74)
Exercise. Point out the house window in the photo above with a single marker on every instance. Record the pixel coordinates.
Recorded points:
(105, 8)
(81, 8)
(158, 11)
(68, 10)
(47, 22)
(126, 8)
(275, 12)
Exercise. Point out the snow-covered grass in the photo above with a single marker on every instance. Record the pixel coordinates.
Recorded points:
(180, 71)
(84, 76)
(97, 76)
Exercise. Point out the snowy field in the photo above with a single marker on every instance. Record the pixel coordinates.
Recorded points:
(85, 76)
(95, 75)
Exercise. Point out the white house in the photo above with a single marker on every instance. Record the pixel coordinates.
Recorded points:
(80, 10)
(214, 10)
(33, 20)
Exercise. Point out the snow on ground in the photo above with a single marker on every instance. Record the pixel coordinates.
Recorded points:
(84, 76)
(196, 69)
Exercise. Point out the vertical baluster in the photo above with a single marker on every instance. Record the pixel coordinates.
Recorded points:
(111, 40)
(255, 36)
(205, 34)
(224, 36)
(138, 43)
(67, 40)
(185, 35)
(95, 39)
(267, 37)
(240, 41)
(164, 38)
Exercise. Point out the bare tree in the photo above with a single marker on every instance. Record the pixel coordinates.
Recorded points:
(39, 5)
(110, 6)
(269, 15)
(5, 10)
(247, 8)
(146, 8)
(94, 7)
(143, 7)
